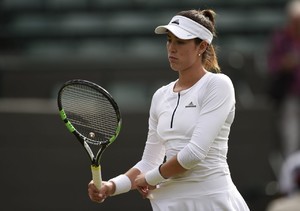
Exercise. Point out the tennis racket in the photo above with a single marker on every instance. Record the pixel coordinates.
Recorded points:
(92, 115)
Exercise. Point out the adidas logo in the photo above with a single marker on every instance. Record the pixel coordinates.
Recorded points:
(176, 21)
(190, 105)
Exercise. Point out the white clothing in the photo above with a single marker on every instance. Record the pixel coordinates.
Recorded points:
(286, 179)
(290, 203)
(193, 125)
(289, 124)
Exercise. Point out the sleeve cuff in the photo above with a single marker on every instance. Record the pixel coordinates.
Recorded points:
(187, 159)
(154, 177)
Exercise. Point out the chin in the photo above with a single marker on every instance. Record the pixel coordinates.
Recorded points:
(174, 68)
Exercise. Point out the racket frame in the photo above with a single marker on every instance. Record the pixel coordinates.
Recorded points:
(85, 141)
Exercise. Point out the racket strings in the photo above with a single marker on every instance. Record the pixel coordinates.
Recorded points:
(90, 112)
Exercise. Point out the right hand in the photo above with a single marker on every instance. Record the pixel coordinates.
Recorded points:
(97, 195)
(142, 186)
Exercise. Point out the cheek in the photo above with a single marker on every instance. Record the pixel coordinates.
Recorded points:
(190, 57)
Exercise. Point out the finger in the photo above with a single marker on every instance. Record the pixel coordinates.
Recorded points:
(99, 198)
(151, 187)
(93, 193)
(94, 196)
(143, 191)
(93, 189)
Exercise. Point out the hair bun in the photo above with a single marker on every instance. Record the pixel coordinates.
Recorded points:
(210, 15)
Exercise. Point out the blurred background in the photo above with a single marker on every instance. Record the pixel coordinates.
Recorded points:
(44, 43)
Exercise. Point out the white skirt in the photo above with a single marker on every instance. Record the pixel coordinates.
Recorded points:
(214, 195)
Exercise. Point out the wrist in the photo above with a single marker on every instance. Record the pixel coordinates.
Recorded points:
(111, 188)
(120, 184)
(154, 176)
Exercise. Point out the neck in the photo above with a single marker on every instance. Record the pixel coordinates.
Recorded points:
(188, 78)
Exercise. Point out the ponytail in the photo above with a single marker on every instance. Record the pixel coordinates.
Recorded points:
(209, 59)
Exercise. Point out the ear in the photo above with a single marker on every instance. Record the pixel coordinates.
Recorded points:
(202, 47)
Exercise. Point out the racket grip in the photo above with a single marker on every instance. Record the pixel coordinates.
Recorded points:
(96, 173)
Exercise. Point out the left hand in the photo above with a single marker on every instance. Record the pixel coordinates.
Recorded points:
(142, 186)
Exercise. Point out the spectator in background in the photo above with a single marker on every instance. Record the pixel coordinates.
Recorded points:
(287, 186)
(284, 67)
(289, 202)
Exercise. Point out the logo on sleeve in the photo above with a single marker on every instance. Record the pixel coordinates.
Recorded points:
(191, 105)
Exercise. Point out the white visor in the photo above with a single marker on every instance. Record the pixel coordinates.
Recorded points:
(185, 29)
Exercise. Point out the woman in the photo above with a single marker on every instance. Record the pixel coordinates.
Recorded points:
(189, 125)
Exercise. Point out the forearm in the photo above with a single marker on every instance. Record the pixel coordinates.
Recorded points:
(169, 169)
(132, 174)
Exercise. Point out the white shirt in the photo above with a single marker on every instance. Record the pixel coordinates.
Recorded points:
(193, 125)
(197, 129)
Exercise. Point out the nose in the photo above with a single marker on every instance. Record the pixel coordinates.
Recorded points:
(171, 47)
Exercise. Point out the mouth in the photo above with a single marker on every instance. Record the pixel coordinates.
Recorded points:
(172, 58)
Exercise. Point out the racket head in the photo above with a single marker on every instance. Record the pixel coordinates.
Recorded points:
(89, 112)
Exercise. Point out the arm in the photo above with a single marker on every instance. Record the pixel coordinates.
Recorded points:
(213, 124)
(170, 168)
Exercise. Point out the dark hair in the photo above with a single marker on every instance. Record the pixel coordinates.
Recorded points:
(207, 19)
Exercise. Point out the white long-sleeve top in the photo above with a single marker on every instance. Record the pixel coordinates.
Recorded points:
(193, 124)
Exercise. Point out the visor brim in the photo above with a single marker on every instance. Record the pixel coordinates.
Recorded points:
(176, 30)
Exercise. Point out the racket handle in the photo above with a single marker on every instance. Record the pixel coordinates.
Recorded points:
(96, 173)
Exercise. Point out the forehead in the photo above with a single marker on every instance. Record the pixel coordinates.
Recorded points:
(171, 35)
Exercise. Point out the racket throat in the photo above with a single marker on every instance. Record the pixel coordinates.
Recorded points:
(95, 164)
(96, 159)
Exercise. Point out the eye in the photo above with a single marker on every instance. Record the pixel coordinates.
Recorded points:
(180, 42)
(168, 39)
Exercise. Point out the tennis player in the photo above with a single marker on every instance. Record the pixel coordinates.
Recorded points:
(189, 123)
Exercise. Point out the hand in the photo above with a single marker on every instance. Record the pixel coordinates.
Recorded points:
(142, 186)
(107, 188)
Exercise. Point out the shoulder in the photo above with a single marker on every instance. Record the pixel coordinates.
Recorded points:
(218, 86)
(220, 81)
(163, 90)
